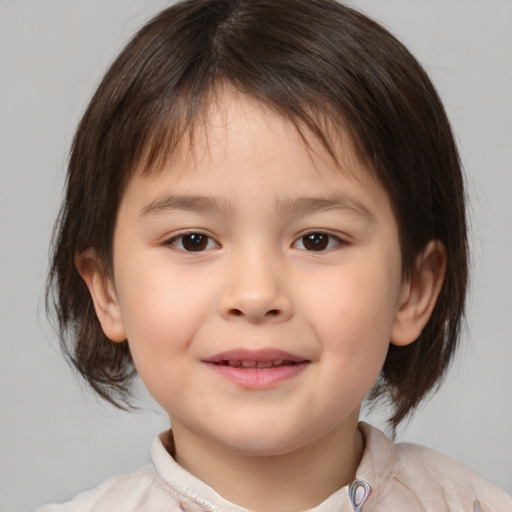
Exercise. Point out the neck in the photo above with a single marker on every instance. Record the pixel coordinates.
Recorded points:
(288, 482)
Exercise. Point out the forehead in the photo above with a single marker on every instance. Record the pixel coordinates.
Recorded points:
(234, 125)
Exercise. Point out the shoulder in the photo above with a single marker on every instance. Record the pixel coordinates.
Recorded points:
(430, 473)
(414, 474)
(120, 492)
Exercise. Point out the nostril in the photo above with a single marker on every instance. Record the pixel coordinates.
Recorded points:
(235, 312)
(273, 312)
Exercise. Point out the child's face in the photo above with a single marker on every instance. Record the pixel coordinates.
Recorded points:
(255, 251)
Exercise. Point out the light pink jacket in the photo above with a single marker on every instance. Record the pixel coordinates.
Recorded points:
(391, 478)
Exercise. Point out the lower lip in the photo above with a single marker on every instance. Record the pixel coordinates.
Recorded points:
(258, 378)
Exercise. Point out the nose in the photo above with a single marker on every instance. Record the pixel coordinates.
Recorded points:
(255, 290)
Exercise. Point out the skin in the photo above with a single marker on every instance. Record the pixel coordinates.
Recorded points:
(257, 284)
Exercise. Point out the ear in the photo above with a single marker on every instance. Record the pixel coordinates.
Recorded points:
(419, 294)
(103, 294)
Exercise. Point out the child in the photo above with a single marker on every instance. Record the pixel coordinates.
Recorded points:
(265, 221)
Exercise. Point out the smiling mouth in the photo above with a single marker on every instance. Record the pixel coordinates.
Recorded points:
(257, 369)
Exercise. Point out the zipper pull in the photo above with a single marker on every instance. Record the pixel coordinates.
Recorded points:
(359, 492)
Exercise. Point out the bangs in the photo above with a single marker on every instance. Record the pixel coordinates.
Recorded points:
(170, 128)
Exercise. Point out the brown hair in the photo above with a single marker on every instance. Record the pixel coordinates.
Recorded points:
(311, 61)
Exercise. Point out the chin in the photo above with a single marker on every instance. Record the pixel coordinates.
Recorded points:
(265, 441)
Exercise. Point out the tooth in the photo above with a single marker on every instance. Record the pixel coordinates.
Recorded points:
(265, 364)
(248, 364)
(279, 362)
(235, 364)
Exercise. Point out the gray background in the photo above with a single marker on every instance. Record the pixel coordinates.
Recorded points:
(55, 439)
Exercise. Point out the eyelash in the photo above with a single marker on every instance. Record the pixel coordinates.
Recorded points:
(320, 240)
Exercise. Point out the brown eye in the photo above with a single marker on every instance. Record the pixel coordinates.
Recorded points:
(193, 242)
(317, 241)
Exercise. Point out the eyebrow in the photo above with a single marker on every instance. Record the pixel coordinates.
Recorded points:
(338, 202)
(296, 206)
(169, 203)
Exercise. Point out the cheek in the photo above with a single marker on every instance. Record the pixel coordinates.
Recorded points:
(161, 316)
(352, 313)
(357, 302)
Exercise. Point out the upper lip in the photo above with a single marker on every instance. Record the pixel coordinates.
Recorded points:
(259, 355)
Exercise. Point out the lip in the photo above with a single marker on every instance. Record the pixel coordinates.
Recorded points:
(260, 355)
(257, 369)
